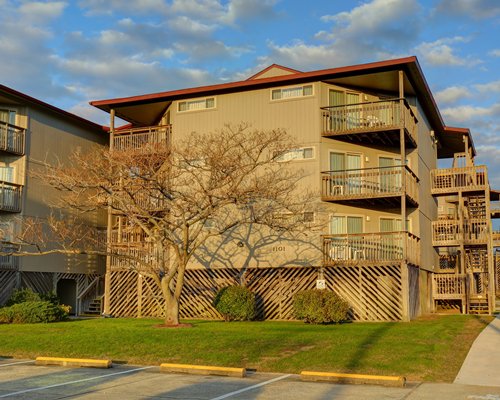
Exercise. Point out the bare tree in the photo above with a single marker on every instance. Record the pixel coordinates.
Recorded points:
(174, 200)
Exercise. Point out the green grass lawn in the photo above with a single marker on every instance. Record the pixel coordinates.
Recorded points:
(432, 348)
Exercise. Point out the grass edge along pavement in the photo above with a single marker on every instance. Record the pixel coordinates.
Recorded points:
(430, 349)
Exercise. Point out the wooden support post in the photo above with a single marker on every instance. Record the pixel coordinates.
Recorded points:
(405, 288)
(107, 279)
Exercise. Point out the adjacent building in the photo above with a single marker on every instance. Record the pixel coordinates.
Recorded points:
(33, 133)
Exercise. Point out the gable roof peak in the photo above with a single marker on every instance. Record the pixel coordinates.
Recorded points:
(273, 70)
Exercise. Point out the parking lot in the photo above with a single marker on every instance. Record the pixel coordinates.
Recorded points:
(21, 379)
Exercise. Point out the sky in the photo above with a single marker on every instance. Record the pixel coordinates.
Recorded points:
(68, 53)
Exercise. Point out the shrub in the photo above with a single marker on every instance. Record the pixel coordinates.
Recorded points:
(22, 296)
(235, 303)
(31, 312)
(320, 307)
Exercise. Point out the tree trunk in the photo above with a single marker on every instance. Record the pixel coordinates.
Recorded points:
(171, 311)
(171, 304)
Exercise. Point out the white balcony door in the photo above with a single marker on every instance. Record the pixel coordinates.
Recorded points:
(350, 181)
(347, 117)
(390, 176)
(9, 117)
(341, 225)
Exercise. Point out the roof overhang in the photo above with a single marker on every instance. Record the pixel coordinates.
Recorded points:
(381, 76)
(451, 141)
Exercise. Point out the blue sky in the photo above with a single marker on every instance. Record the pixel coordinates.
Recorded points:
(70, 52)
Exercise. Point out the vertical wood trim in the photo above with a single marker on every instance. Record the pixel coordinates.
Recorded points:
(139, 295)
(405, 292)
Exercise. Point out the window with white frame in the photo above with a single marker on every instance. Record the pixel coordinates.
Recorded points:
(302, 153)
(291, 92)
(196, 104)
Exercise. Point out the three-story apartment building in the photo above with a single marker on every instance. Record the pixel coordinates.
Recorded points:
(33, 133)
(370, 137)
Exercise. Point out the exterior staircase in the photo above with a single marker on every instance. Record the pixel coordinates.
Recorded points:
(478, 305)
(93, 308)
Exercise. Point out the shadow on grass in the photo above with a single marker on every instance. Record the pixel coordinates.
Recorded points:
(368, 342)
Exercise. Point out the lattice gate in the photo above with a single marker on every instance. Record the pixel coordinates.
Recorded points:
(374, 293)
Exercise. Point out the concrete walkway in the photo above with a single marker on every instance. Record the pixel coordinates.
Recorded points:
(482, 364)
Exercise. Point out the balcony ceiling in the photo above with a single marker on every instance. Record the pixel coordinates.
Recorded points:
(143, 114)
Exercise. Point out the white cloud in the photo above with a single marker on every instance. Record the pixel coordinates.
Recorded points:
(488, 87)
(379, 29)
(478, 9)
(495, 53)
(109, 7)
(441, 53)
(468, 113)
(39, 12)
(452, 94)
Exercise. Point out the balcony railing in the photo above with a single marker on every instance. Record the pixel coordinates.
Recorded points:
(149, 138)
(370, 248)
(12, 138)
(376, 116)
(369, 183)
(10, 197)
(448, 286)
(135, 237)
(8, 262)
(453, 232)
(451, 180)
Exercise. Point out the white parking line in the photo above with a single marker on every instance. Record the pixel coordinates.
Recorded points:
(225, 396)
(15, 363)
(72, 382)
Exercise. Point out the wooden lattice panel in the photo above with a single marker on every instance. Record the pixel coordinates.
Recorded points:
(497, 274)
(8, 280)
(124, 294)
(40, 282)
(374, 293)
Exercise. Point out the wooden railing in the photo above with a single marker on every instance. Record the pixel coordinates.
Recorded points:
(129, 238)
(12, 138)
(10, 196)
(369, 116)
(452, 232)
(151, 137)
(369, 182)
(454, 179)
(448, 286)
(448, 263)
(378, 247)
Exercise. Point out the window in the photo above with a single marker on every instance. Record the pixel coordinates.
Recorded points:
(392, 225)
(346, 225)
(197, 104)
(291, 92)
(7, 174)
(302, 153)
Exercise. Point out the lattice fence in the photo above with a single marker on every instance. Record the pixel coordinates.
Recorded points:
(41, 282)
(374, 293)
(8, 281)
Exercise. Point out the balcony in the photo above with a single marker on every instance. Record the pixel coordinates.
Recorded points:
(453, 232)
(370, 186)
(10, 197)
(377, 122)
(129, 238)
(11, 138)
(149, 139)
(379, 248)
(448, 287)
(452, 180)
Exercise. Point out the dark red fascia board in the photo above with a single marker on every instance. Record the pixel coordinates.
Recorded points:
(106, 105)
